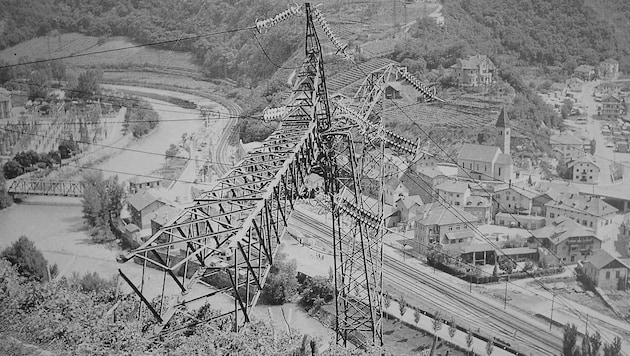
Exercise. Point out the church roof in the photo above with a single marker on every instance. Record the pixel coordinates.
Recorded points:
(503, 120)
(481, 153)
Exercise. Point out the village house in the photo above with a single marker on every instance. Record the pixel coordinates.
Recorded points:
(612, 107)
(514, 199)
(559, 89)
(393, 190)
(585, 72)
(530, 222)
(143, 205)
(162, 216)
(567, 144)
(488, 162)
(606, 271)
(480, 207)
(424, 159)
(453, 192)
(474, 70)
(435, 221)
(409, 208)
(422, 182)
(607, 88)
(590, 212)
(567, 240)
(584, 169)
(608, 69)
(6, 104)
(393, 90)
(574, 84)
(139, 183)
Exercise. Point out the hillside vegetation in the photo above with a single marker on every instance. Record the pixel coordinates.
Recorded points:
(233, 54)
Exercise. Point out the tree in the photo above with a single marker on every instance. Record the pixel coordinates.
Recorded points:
(387, 300)
(66, 148)
(282, 282)
(28, 260)
(416, 315)
(317, 288)
(495, 271)
(402, 306)
(614, 348)
(452, 329)
(437, 324)
(5, 198)
(469, 339)
(12, 169)
(172, 151)
(489, 347)
(88, 84)
(594, 344)
(102, 202)
(27, 159)
(569, 340)
(507, 265)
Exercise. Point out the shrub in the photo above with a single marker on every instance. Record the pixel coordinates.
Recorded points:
(281, 283)
(316, 289)
(28, 260)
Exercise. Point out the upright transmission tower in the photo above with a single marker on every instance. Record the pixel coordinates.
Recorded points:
(234, 229)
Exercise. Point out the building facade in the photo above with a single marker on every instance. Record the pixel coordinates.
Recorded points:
(612, 107)
(584, 169)
(565, 240)
(606, 271)
(588, 211)
(475, 70)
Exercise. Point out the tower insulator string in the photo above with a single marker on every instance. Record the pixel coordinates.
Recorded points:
(270, 22)
(340, 48)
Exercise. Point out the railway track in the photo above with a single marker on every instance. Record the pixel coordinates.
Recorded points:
(510, 329)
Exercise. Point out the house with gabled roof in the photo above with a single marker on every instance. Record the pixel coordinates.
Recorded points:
(435, 221)
(591, 212)
(612, 106)
(608, 69)
(607, 271)
(422, 181)
(453, 192)
(585, 72)
(565, 239)
(567, 144)
(143, 205)
(489, 162)
(474, 70)
(584, 169)
(409, 207)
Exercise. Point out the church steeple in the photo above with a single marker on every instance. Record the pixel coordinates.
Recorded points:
(503, 131)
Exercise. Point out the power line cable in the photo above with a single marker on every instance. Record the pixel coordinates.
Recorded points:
(131, 47)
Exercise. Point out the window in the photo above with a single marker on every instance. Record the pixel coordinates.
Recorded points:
(607, 274)
(591, 224)
(617, 274)
(458, 195)
(572, 258)
(513, 198)
(552, 215)
(450, 228)
(456, 203)
(499, 171)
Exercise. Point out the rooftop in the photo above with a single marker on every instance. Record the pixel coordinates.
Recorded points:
(473, 62)
(434, 214)
(561, 229)
(164, 214)
(503, 120)
(454, 186)
(481, 153)
(584, 68)
(582, 204)
(411, 200)
(565, 138)
(145, 198)
(583, 159)
(602, 259)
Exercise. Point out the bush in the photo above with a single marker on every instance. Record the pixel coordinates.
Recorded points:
(316, 288)
(28, 260)
(12, 169)
(281, 283)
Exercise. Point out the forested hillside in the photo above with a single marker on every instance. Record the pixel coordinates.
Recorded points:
(235, 54)
(542, 32)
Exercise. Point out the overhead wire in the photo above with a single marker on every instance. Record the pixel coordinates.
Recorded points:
(470, 176)
(157, 43)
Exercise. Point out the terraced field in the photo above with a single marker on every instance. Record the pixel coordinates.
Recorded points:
(72, 44)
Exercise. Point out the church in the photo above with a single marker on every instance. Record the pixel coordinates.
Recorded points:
(489, 162)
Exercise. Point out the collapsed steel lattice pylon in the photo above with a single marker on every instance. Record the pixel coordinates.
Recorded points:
(235, 228)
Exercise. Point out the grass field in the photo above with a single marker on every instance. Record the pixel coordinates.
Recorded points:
(73, 44)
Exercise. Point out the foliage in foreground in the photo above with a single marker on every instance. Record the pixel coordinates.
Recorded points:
(29, 262)
(75, 315)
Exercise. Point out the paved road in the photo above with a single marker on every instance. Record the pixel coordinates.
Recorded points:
(472, 311)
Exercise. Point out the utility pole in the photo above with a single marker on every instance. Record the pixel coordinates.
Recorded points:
(586, 329)
(553, 299)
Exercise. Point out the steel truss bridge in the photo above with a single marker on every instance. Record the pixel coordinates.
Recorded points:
(46, 187)
(235, 228)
